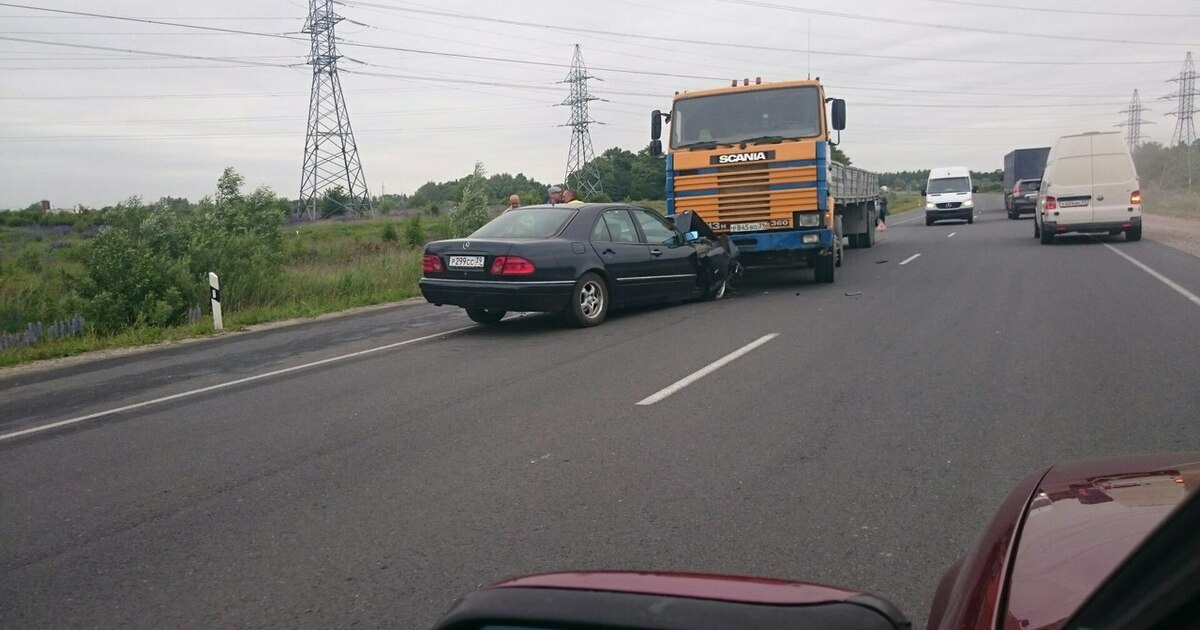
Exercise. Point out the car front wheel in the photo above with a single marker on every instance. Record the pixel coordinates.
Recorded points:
(589, 302)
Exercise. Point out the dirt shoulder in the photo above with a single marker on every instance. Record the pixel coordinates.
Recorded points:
(1181, 233)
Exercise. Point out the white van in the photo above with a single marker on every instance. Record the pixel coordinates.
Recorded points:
(1090, 185)
(949, 194)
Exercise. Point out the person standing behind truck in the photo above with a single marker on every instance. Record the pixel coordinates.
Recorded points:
(514, 202)
(881, 207)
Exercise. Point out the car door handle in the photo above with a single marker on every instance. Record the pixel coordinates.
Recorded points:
(608, 252)
(656, 252)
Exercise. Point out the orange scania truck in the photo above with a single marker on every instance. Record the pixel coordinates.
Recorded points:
(754, 162)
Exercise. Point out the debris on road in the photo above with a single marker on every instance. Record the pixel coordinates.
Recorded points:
(880, 262)
(854, 293)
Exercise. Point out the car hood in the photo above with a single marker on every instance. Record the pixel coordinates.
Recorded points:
(1082, 521)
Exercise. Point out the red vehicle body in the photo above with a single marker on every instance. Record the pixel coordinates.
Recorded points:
(1054, 541)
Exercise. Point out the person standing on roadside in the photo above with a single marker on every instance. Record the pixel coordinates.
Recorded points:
(881, 205)
(555, 194)
(514, 202)
(569, 196)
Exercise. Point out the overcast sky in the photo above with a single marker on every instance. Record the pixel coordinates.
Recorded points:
(94, 126)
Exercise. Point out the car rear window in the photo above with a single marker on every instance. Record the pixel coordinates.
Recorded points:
(1031, 184)
(526, 223)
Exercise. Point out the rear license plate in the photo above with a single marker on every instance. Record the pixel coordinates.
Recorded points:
(748, 227)
(466, 262)
(1073, 203)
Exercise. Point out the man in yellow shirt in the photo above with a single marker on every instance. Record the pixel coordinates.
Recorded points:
(569, 197)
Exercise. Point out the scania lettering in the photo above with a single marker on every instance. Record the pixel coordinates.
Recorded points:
(787, 203)
(742, 157)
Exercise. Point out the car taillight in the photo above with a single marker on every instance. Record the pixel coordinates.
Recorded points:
(1017, 190)
(512, 266)
(431, 262)
(1051, 203)
(1135, 197)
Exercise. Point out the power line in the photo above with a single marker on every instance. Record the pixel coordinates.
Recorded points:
(147, 52)
(1069, 11)
(946, 27)
(693, 42)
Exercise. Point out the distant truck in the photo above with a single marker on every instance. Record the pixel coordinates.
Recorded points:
(1022, 164)
(754, 161)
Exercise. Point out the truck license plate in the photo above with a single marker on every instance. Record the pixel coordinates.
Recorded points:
(748, 227)
(468, 262)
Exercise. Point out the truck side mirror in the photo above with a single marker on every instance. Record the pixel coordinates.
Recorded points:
(655, 124)
(656, 147)
(839, 114)
(922, 192)
(974, 189)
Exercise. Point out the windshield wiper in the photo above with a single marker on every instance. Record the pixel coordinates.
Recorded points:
(703, 144)
(765, 140)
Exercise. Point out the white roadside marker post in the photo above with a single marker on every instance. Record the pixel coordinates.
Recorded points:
(214, 288)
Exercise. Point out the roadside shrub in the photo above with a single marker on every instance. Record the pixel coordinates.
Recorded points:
(389, 234)
(471, 213)
(414, 233)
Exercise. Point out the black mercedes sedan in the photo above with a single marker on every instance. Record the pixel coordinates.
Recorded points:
(579, 260)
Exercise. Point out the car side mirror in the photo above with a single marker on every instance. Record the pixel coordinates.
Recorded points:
(691, 236)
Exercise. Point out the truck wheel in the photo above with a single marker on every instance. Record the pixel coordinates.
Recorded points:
(838, 256)
(485, 316)
(823, 270)
(1134, 234)
(866, 241)
(852, 241)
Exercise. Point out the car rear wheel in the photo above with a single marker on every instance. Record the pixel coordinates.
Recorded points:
(1134, 234)
(485, 316)
(589, 302)
(1036, 231)
(1047, 238)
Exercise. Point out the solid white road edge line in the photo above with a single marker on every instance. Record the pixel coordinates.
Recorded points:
(705, 371)
(909, 259)
(210, 388)
(1157, 276)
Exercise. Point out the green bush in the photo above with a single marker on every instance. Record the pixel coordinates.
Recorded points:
(389, 234)
(414, 233)
(471, 213)
(150, 263)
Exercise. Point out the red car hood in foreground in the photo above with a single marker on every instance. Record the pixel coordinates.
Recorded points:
(1082, 521)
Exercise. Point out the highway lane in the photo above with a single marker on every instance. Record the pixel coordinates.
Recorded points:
(864, 445)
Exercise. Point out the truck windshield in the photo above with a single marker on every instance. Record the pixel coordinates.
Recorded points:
(949, 185)
(771, 115)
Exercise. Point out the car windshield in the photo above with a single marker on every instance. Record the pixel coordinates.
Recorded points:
(729, 118)
(526, 223)
(949, 185)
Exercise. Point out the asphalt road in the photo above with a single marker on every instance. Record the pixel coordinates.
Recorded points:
(865, 445)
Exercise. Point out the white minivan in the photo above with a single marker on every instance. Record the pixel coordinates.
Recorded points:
(949, 194)
(1090, 185)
